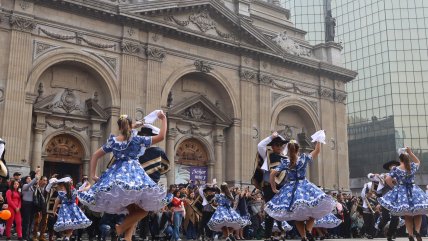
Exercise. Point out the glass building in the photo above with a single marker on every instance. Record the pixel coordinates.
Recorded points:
(386, 42)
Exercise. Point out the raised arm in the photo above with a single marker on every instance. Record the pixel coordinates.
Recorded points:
(55, 207)
(414, 158)
(94, 160)
(162, 132)
(316, 151)
(262, 146)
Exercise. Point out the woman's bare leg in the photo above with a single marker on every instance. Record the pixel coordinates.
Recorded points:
(300, 225)
(310, 224)
(135, 215)
(129, 232)
(409, 225)
(418, 223)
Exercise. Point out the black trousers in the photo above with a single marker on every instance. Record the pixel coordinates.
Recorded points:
(206, 216)
(27, 213)
(369, 222)
(384, 220)
(268, 194)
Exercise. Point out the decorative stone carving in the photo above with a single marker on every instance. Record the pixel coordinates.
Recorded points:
(66, 125)
(197, 113)
(130, 48)
(24, 4)
(156, 54)
(112, 62)
(98, 45)
(290, 46)
(192, 152)
(326, 93)
(299, 90)
(256, 133)
(22, 24)
(139, 114)
(57, 35)
(68, 101)
(171, 134)
(340, 97)
(40, 48)
(131, 31)
(65, 146)
(203, 66)
(276, 97)
(156, 37)
(248, 75)
(202, 20)
(219, 140)
(265, 79)
(182, 23)
(194, 130)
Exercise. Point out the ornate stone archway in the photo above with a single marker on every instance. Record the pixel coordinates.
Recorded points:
(192, 159)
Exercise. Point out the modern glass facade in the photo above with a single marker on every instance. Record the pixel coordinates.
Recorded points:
(308, 15)
(386, 42)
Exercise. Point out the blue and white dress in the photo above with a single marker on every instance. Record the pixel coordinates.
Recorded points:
(225, 215)
(299, 199)
(70, 216)
(328, 221)
(405, 198)
(285, 226)
(125, 182)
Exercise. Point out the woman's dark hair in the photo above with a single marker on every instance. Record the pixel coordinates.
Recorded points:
(225, 189)
(406, 160)
(12, 183)
(293, 149)
(125, 125)
(67, 186)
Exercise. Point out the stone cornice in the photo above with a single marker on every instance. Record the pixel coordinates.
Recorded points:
(273, 7)
(274, 52)
(286, 27)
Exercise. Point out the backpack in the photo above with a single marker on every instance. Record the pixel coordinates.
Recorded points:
(39, 201)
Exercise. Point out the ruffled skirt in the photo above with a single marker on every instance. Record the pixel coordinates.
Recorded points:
(401, 201)
(226, 217)
(328, 221)
(70, 216)
(299, 201)
(123, 184)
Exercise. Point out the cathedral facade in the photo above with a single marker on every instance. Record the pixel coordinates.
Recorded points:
(227, 73)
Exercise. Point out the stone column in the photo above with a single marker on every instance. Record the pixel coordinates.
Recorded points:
(95, 136)
(233, 151)
(155, 57)
(16, 127)
(170, 153)
(210, 167)
(218, 152)
(86, 166)
(130, 84)
(39, 129)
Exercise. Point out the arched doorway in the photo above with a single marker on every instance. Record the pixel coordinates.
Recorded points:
(191, 163)
(64, 154)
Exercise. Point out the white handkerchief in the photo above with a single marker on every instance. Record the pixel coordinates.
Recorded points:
(319, 136)
(152, 117)
(155, 130)
(265, 165)
(81, 188)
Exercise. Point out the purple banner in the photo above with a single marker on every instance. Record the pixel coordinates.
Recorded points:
(198, 173)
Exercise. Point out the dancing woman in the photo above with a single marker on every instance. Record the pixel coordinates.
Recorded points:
(125, 187)
(298, 199)
(406, 198)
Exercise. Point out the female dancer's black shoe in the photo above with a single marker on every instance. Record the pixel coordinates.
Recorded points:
(411, 238)
(418, 236)
(309, 236)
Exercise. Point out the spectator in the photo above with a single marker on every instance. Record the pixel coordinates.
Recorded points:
(14, 201)
(28, 209)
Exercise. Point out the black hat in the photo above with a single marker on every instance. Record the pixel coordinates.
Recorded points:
(17, 174)
(390, 163)
(148, 130)
(278, 140)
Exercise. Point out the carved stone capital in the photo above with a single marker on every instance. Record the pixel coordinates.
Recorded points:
(340, 97)
(265, 79)
(95, 134)
(131, 48)
(171, 134)
(156, 54)
(22, 24)
(236, 122)
(219, 140)
(40, 128)
(248, 75)
(203, 66)
(326, 93)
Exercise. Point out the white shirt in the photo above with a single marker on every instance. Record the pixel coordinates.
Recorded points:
(363, 193)
(262, 149)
